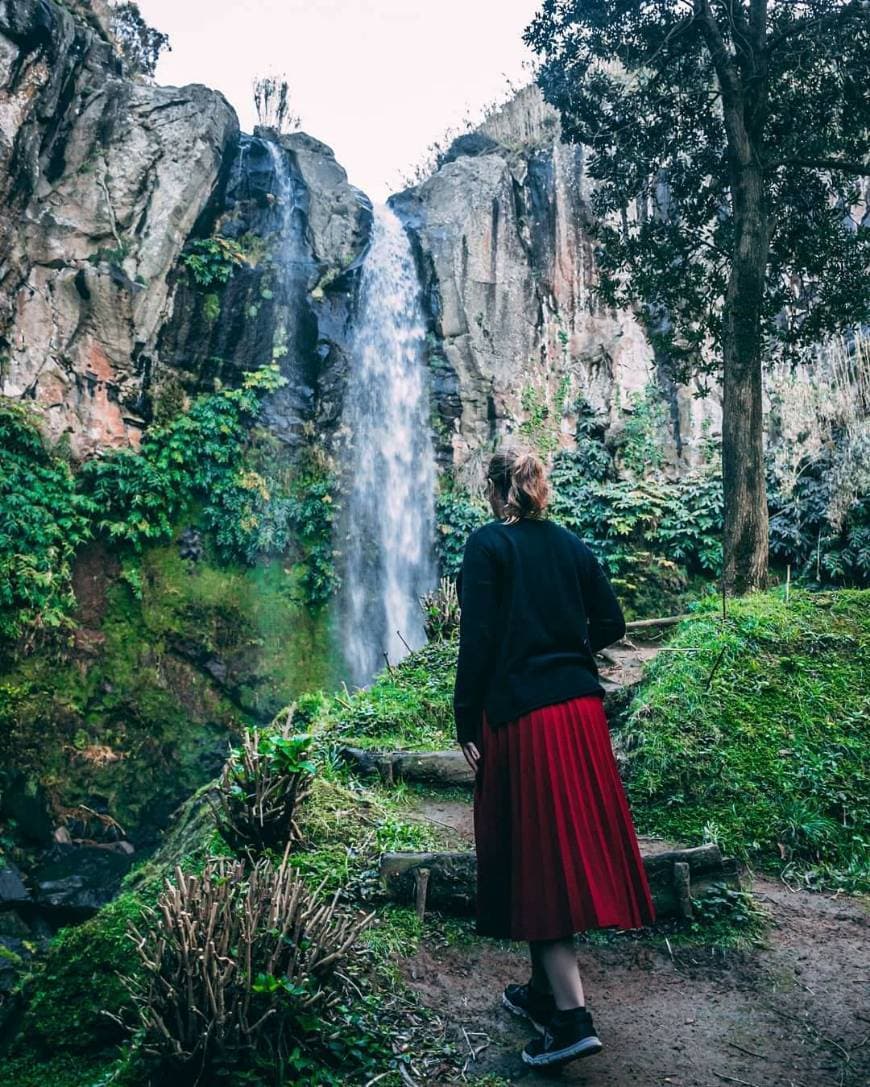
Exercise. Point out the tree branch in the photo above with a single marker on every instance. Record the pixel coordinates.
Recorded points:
(860, 168)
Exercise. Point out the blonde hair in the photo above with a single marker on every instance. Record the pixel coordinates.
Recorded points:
(520, 480)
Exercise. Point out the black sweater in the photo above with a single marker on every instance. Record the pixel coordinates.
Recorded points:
(536, 606)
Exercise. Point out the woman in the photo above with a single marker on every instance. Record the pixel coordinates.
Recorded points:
(556, 848)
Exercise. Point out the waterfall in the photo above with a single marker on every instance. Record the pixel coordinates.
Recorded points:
(388, 509)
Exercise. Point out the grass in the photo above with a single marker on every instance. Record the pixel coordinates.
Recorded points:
(752, 732)
(409, 706)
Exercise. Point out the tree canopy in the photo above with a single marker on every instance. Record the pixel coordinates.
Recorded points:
(644, 85)
(728, 143)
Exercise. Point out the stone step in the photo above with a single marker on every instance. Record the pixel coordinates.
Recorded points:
(447, 881)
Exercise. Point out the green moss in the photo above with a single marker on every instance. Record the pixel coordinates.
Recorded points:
(408, 706)
(78, 982)
(143, 718)
(752, 732)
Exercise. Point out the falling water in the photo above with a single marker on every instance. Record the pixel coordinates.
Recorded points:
(388, 511)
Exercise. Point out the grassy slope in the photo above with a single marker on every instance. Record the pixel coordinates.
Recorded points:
(768, 756)
(753, 731)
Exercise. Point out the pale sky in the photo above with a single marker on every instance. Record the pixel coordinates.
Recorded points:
(377, 80)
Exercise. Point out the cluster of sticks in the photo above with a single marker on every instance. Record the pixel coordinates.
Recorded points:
(230, 960)
(259, 792)
(441, 610)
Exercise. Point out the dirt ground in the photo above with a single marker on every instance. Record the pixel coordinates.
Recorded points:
(792, 1013)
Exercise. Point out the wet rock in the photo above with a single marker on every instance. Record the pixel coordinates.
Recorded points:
(13, 890)
(75, 881)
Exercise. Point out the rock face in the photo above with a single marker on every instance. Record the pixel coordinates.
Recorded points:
(302, 229)
(103, 180)
(508, 270)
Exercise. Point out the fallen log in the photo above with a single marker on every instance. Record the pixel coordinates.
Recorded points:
(441, 768)
(667, 621)
(676, 879)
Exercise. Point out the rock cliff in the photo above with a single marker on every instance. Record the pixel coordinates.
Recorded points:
(105, 179)
(502, 231)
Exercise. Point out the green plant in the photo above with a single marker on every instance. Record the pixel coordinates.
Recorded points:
(261, 786)
(652, 534)
(441, 610)
(238, 961)
(198, 455)
(211, 261)
(43, 520)
(457, 514)
(641, 446)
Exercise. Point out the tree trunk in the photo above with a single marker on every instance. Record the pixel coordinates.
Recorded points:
(743, 476)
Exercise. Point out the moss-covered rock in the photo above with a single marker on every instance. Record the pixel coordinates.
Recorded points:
(171, 658)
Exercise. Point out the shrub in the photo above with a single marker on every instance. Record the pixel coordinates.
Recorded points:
(441, 610)
(261, 786)
(457, 515)
(650, 534)
(211, 261)
(238, 962)
(42, 521)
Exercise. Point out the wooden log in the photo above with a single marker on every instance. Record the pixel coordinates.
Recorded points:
(438, 768)
(667, 621)
(451, 882)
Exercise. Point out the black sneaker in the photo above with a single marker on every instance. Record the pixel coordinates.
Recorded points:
(569, 1034)
(529, 1004)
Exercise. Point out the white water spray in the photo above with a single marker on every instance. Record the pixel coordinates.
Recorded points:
(388, 514)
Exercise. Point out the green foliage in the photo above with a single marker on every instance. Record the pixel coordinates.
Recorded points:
(457, 514)
(651, 534)
(43, 519)
(753, 732)
(210, 261)
(641, 447)
(540, 427)
(197, 455)
(408, 706)
(802, 532)
(681, 164)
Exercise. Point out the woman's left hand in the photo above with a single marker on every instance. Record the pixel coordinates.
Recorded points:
(472, 756)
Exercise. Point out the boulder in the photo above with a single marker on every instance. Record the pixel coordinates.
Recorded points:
(73, 882)
(13, 890)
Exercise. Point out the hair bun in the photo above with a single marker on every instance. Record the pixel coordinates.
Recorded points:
(521, 479)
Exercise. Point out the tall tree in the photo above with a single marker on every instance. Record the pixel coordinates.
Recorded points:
(728, 141)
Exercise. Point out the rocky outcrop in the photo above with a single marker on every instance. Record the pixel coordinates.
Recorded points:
(104, 180)
(502, 230)
(302, 229)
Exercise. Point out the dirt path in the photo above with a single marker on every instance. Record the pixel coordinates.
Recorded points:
(793, 1013)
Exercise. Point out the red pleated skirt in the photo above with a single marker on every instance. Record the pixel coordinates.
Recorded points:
(556, 848)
